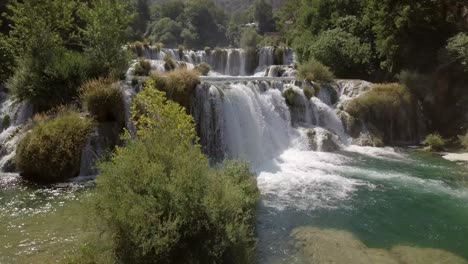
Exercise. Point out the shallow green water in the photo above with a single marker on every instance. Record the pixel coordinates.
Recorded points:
(367, 198)
(40, 224)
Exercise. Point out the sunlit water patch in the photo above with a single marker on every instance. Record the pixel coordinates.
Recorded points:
(39, 224)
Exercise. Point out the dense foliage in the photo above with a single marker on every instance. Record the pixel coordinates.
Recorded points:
(196, 24)
(375, 38)
(434, 142)
(313, 70)
(103, 99)
(464, 140)
(59, 44)
(51, 152)
(174, 208)
(179, 85)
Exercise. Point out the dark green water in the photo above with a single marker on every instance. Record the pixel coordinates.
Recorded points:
(382, 198)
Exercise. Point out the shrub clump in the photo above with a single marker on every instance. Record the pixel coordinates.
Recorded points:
(464, 140)
(203, 68)
(313, 70)
(169, 63)
(103, 99)
(6, 122)
(142, 68)
(290, 96)
(434, 142)
(179, 85)
(137, 47)
(389, 107)
(309, 92)
(279, 56)
(174, 208)
(51, 152)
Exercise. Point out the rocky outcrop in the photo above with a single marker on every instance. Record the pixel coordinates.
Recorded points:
(322, 140)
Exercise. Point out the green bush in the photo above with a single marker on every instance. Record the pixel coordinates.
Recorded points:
(290, 96)
(179, 86)
(344, 53)
(174, 208)
(203, 68)
(278, 56)
(457, 48)
(309, 92)
(389, 107)
(434, 142)
(169, 63)
(207, 50)
(6, 122)
(142, 68)
(181, 49)
(313, 70)
(464, 140)
(103, 99)
(51, 77)
(418, 84)
(137, 47)
(7, 59)
(51, 152)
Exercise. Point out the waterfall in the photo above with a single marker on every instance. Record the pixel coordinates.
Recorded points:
(226, 62)
(249, 119)
(11, 132)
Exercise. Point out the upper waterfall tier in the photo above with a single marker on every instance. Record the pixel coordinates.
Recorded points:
(233, 62)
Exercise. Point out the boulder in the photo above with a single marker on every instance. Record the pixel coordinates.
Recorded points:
(322, 140)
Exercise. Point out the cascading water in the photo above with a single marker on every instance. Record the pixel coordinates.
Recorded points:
(309, 174)
(17, 114)
(228, 62)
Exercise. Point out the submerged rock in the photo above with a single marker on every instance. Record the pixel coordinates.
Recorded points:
(319, 246)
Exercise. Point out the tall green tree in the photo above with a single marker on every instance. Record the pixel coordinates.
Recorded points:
(105, 34)
(409, 34)
(263, 12)
(205, 24)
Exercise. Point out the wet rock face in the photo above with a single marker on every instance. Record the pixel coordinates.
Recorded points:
(322, 140)
(351, 124)
(101, 142)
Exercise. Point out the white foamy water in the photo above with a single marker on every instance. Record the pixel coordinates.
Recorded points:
(302, 180)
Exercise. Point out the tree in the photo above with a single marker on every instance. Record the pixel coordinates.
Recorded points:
(142, 17)
(343, 52)
(167, 31)
(263, 13)
(457, 48)
(174, 208)
(205, 24)
(105, 34)
(7, 59)
(409, 35)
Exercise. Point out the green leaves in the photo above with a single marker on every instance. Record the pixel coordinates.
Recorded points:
(160, 202)
(457, 48)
